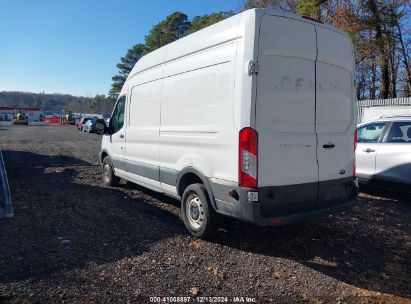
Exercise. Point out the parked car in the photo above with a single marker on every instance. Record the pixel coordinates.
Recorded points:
(384, 151)
(90, 125)
(253, 117)
(82, 121)
(106, 118)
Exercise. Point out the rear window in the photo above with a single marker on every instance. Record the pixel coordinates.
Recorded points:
(370, 133)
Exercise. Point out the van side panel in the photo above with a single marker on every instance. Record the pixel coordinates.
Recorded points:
(336, 113)
(197, 127)
(142, 155)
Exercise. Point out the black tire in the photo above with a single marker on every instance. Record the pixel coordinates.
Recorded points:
(108, 176)
(198, 215)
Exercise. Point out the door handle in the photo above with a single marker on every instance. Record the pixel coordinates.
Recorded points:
(121, 135)
(369, 150)
(328, 146)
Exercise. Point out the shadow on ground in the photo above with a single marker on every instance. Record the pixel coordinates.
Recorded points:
(60, 224)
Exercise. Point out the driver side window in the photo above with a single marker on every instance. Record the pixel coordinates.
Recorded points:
(117, 119)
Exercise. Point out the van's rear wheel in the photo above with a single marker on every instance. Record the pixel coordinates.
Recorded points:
(109, 178)
(198, 215)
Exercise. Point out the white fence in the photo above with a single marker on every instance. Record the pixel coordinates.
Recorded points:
(372, 108)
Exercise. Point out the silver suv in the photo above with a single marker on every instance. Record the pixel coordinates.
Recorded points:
(383, 151)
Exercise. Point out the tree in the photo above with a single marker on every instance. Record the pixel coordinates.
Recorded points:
(100, 104)
(287, 5)
(98, 99)
(380, 32)
(174, 27)
(200, 22)
(308, 8)
(125, 66)
(404, 51)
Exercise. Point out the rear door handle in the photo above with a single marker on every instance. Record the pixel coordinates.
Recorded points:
(121, 135)
(328, 146)
(369, 150)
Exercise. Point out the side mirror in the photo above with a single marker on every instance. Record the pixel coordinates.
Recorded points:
(101, 127)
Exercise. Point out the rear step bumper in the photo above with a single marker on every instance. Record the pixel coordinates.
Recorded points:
(287, 204)
(292, 218)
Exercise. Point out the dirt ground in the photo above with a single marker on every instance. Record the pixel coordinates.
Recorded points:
(74, 240)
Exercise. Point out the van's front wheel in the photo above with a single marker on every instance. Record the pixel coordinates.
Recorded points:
(198, 215)
(109, 178)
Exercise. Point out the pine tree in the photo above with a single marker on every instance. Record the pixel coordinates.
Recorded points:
(200, 22)
(174, 27)
(125, 66)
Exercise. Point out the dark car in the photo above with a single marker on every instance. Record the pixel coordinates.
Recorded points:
(90, 125)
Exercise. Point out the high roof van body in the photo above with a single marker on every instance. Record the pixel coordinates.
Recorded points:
(253, 117)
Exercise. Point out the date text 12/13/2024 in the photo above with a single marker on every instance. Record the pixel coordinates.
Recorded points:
(203, 299)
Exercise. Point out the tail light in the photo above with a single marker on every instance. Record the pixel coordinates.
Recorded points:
(355, 148)
(247, 160)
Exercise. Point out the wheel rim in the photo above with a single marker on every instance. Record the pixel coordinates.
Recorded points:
(106, 172)
(195, 211)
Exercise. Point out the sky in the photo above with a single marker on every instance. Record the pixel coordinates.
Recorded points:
(73, 46)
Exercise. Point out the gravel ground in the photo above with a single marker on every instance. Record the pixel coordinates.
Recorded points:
(74, 240)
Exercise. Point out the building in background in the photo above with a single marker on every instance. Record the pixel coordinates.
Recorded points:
(8, 114)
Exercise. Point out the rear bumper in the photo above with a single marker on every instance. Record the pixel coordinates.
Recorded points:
(287, 204)
(273, 220)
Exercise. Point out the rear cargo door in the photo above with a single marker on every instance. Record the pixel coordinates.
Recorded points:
(285, 105)
(335, 109)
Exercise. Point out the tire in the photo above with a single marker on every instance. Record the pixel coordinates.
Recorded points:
(198, 215)
(108, 176)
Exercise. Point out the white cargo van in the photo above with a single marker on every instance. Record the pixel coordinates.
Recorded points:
(253, 117)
